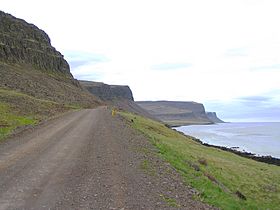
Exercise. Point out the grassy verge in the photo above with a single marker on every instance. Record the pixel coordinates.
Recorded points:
(223, 179)
(18, 109)
(10, 121)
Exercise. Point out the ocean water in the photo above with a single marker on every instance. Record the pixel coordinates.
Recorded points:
(258, 138)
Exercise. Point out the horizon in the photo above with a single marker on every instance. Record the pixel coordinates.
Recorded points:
(223, 54)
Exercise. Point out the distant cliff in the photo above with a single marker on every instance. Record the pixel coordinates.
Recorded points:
(108, 92)
(177, 113)
(31, 65)
(119, 96)
(213, 117)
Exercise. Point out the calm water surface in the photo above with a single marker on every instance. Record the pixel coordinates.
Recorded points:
(258, 138)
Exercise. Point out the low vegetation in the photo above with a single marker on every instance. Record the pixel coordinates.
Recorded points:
(222, 179)
(10, 121)
(18, 109)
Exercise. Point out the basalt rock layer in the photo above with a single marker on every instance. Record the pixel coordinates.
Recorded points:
(108, 92)
(21, 42)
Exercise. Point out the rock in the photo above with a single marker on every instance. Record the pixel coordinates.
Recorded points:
(21, 42)
(203, 161)
(240, 195)
(213, 117)
(108, 92)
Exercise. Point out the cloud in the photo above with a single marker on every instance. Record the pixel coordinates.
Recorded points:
(77, 59)
(237, 52)
(267, 67)
(74, 64)
(256, 98)
(256, 102)
(88, 77)
(170, 66)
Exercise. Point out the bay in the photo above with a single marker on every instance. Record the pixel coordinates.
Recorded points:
(260, 138)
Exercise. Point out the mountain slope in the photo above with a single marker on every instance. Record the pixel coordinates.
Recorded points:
(35, 79)
(31, 65)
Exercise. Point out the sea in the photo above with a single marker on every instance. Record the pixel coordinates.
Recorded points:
(259, 138)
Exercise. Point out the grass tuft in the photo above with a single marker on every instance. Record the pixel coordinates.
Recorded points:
(170, 201)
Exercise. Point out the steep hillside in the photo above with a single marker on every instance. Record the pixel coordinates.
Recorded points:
(213, 117)
(35, 79)
(30, 64)
(176, 113)
(222, 179)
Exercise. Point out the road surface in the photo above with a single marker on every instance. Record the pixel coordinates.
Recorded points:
(83, 160)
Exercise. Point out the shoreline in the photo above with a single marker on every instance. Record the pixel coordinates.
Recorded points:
(265, 159)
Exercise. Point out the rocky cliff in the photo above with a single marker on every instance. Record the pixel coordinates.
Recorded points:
(21, 42)
(31, 65)
(177, 113)
(108, 92)
(119, 96)
(213, 117)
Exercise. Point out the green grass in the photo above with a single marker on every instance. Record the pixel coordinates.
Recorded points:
(18, 109)
(10, 121)
(148, 168)
(170, 201)
(216, 174)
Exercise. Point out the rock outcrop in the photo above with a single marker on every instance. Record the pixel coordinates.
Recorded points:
(108, 92)
(177, 113)
(213, 117)
(31, 65)
(21, 42)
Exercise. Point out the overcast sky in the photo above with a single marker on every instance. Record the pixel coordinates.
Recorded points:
(223, 53)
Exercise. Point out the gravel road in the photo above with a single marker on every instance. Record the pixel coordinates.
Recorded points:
(86, 160)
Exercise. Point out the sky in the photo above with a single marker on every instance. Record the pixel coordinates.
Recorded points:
(222, 53)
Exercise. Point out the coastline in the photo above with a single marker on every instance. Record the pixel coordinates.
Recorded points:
(265, 159)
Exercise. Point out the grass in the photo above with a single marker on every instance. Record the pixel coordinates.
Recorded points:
(18, 109)
(170, 201)
(10, 121)
(148, 167)
(222, 179)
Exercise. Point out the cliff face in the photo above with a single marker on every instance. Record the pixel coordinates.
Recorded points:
(213, 117)
(31, 65)
(21, 42)
(117, 96)
(177, 113)
(108, 92)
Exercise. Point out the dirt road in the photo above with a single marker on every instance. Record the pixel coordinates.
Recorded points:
(83, 160)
